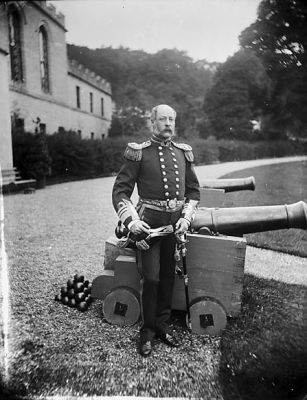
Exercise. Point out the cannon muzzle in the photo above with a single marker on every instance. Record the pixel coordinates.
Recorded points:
(241, 220)
(229, 185)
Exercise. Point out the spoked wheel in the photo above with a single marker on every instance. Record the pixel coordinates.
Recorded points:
(208, 316)
(121, 307)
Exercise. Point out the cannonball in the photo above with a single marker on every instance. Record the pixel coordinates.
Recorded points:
(57, 297)
(86, 283)
(82, 306)
(64, 291)
(65, 300)
(72, 303)
(78, 287)
(86, 291)
(89, 299)
(70, 283)
(78, 278)
(79, 297)
(71, 293)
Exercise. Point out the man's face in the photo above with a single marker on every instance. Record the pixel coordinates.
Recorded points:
(164, 124)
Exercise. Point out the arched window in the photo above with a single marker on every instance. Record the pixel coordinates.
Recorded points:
(15, 44)
(43, 58)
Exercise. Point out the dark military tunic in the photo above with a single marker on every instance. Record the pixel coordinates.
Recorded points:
(161, 172)
(168, 189)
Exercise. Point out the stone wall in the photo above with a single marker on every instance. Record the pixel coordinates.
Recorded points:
(28, 101)
(55, 115)
(6, 157)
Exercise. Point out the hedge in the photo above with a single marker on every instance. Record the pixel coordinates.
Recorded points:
(75, 158)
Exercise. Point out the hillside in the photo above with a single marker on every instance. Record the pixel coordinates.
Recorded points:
(143, 80)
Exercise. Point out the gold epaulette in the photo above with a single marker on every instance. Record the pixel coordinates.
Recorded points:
(133, 151)
(187, 150)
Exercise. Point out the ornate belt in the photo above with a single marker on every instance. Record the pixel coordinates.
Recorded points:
(168, 205)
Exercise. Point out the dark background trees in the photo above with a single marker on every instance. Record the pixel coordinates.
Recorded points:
(265, 80)
(140, 81)
(237, 96)
(279, 38)
(263, 83)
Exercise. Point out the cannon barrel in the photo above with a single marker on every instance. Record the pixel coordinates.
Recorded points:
(241, 220)
(229, 185)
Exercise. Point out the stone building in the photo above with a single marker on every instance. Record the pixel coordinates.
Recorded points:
(40, 88)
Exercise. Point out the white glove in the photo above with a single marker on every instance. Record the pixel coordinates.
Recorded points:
(142, 245)
(182, 225)
(137, 227)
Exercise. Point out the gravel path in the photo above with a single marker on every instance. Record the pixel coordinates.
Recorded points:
(55, 350)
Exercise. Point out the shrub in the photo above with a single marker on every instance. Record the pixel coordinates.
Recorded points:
(30, 154)
(72, 157)
(76, 158)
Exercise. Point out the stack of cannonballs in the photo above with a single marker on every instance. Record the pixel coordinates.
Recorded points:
(76, 294)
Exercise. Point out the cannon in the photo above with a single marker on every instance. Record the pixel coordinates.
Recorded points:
(238, 221)
(215, 260)
(213, 191)
(229, 185)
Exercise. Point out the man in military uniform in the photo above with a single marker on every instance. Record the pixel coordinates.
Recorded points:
(168, 194)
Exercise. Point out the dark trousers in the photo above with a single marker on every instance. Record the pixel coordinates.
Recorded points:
(157, 268)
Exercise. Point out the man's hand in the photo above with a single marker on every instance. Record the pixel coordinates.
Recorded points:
(138, 227)
(182, 225)
(142, 245)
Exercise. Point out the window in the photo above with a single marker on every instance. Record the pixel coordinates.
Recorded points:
(42, 129)
(79, 132)
(15, 45)
(91, 102)
(78, 96)
(43, 58)
(92, 135)
(102, 107)
(102, 136)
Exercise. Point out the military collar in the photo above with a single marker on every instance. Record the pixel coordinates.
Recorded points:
(161, 142)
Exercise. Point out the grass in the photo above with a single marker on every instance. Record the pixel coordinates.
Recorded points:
(264, 351)
(275, 184)
(56, 350)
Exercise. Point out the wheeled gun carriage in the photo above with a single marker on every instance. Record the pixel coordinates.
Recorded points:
(215, 258)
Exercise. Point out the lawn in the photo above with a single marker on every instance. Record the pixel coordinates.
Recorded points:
(56, 350)
(275, 184)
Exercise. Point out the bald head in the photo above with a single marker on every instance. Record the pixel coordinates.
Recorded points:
(162, 108)
(163, 121)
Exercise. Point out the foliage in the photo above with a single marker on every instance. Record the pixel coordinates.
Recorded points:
(71, 155)
(279, 38)
(141, 80)
(238, 93)
(30, 154)
(129, 121)
(65, 156)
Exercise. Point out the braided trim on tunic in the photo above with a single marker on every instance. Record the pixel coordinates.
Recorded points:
(187, 150)
(133, 150)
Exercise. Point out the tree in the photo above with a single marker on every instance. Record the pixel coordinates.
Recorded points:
(129, 121)
(238, 94)
(279, 38)
(143, 80)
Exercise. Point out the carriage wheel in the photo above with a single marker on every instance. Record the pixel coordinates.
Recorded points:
(121, 307)
(208, 316)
